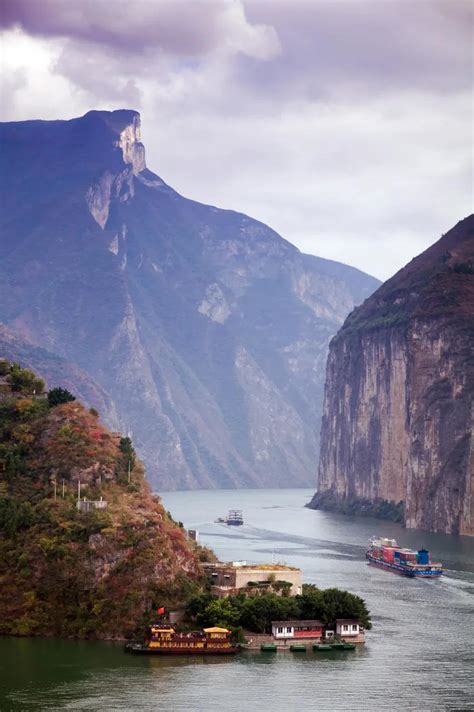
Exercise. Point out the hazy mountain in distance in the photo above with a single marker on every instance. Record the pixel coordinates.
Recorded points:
(207, 330)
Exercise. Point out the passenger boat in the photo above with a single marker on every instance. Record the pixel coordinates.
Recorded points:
(386, 554)
(234, 518)
(162, 639)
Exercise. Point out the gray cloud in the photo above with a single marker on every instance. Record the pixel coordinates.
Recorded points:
(344, 125)
(186, 27)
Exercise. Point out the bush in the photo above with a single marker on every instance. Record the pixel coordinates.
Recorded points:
(24, 381)
(58, 396)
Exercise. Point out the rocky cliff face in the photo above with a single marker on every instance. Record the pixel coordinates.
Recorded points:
(205, 327)
(398, 412)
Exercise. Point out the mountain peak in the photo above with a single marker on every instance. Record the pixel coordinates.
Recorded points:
(126, 125)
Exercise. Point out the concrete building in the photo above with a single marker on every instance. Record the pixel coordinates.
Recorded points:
(87, 505)
(238, 576)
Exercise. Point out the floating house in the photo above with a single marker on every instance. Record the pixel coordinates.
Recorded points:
(297, 629)
(350, 629)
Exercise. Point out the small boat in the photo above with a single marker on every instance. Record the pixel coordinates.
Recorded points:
(298, 648)
(386, 554)
(268, 648)
(337, 646)
(162, 639)
(349, 646)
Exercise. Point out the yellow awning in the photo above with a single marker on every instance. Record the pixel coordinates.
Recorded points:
(216, 630)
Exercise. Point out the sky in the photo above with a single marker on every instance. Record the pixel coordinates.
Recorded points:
(346, 125)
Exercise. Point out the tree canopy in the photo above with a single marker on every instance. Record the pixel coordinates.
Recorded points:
(256, 612)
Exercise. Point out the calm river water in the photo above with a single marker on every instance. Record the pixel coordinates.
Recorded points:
(419, 655)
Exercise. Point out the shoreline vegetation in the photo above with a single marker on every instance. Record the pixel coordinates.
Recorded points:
(254, 613)
(88, 552)
(329, 501)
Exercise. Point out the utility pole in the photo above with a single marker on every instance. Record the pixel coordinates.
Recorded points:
(79, 490)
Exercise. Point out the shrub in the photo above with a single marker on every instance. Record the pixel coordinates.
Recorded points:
(24, 381)
(58, 396)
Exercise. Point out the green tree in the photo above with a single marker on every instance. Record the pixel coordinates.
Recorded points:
(128, 452)
(220, 612)
(58, 396)
(259, 611)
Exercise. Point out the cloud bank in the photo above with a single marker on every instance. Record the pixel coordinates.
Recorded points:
(344, 125)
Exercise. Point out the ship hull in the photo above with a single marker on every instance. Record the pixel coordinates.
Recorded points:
(412, 572)
(143, 650)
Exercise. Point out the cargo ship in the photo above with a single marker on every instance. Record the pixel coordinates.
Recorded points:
(386, 554)
(162, 639)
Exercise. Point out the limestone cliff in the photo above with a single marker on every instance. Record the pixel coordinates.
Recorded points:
(206, 329)
(397, 428)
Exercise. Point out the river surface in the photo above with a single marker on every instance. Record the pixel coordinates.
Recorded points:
(419, 655)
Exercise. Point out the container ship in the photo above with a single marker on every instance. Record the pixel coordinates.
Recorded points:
(386, 554)
(162, 639)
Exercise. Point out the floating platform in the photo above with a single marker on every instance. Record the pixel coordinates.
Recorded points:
(298, 648)
(268, 648)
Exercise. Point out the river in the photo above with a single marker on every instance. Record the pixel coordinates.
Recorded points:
(419, 655)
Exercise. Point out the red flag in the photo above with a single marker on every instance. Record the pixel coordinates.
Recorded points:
(160, 611)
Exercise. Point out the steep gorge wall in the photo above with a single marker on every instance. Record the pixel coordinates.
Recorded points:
(398, 415)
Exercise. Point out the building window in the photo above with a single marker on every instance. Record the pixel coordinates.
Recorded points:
(279, 630)
(354, 627)
(288, 630)
(345, 627)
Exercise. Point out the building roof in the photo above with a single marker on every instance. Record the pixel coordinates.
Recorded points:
(296, 624)
(347, 620)
(237, 566)
(215, 629)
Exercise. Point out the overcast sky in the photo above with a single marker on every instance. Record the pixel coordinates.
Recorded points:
(346, 125)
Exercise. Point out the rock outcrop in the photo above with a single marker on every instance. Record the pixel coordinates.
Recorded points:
(397, 430)
(207, 330)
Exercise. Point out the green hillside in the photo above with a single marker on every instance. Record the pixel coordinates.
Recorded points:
(66, 572)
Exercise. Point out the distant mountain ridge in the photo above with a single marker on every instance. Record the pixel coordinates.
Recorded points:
(207, 330)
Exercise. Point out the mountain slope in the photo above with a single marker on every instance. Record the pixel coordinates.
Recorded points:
(71, 573)
(210, 330)
(56, 370)
(398, 413)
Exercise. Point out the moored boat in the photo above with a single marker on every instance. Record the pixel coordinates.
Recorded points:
(298, 648)
(162, 639)
(386, 554)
